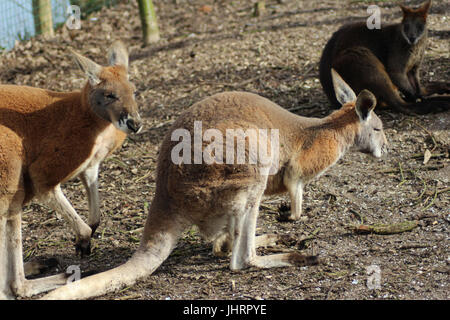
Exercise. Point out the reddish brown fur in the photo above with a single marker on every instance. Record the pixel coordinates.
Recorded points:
(339, 131)
(200, 185)
(49, 137)
(51, 149)
(223, 199)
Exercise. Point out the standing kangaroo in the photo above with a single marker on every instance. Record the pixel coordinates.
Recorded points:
(385, 61)
(223, 199)
(47, 138)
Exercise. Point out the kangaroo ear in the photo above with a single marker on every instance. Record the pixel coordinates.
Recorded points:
(424, 8)
(118, 55)
(89, 67)
(405, 9)
(344, 93)
(365, 103)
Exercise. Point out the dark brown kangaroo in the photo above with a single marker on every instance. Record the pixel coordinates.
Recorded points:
(385, 61)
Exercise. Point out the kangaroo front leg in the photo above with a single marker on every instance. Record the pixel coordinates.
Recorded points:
(58, 202)
(414, 79)
(402, 82)
(244, 253)
(295, 190)
(222, 245)
(296, 195)
(89, 177)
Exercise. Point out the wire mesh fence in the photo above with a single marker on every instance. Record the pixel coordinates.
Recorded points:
(23, 19)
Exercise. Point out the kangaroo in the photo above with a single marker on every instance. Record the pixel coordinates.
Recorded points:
(223, 199)
(385, 61)
(48, 138)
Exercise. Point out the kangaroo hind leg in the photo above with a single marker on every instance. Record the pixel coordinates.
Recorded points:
(361, 69)
(244, 245)
(21, 286)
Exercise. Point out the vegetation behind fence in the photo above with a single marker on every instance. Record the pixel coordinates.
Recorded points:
(22, 19)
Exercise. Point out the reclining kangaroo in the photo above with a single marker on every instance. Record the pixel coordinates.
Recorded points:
(385, 61)
(223, 199)
(48, 138)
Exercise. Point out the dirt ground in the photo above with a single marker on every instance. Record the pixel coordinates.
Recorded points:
(275, 55)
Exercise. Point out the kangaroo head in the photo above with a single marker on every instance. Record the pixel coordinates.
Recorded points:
(370, 137)
(110, 94)
(414, 22)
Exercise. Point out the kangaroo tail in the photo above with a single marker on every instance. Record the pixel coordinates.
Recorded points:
(437, 87)
(431, 105)
(160, 237)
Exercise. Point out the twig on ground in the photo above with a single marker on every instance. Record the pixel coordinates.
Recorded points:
(435, 144)
(433, 155)
(424, 186)
(432, 200)
(359, 215)
(401, 174)
(385, 229)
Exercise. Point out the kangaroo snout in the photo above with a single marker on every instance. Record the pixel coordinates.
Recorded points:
(412, 40)
(134, 125)
(129, 123)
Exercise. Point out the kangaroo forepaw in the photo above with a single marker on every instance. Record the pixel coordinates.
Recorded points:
(284, 213)
(287, 216)
(93, 228)
(284, 216)
(222, 248)
(83, 247)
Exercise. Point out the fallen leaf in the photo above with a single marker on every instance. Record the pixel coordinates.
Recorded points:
(205, 9)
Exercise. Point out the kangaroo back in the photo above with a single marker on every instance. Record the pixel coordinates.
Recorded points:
(224, 198)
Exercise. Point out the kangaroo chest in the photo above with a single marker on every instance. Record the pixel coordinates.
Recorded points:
(105, 143)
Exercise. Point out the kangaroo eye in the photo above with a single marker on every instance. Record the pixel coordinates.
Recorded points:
(111, 96)
(376, 129)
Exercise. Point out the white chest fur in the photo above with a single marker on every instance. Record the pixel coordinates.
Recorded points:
(104, 143)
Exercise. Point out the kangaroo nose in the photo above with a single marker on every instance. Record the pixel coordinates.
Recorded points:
(134, 125)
